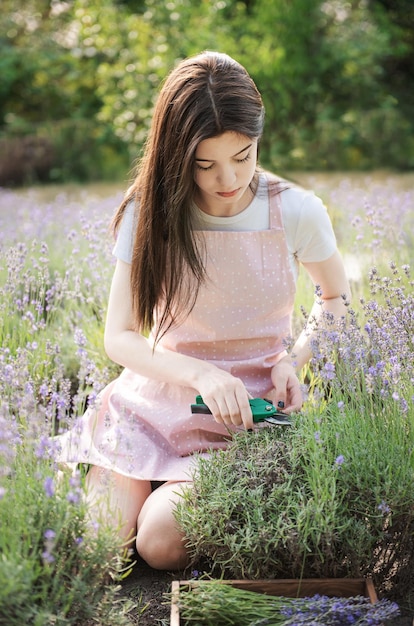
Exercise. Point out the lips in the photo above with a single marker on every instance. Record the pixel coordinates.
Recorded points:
(228, 194)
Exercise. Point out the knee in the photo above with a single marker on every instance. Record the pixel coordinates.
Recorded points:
(161, 548)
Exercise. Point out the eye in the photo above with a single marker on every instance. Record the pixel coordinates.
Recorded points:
(204, 169)
(246, 158)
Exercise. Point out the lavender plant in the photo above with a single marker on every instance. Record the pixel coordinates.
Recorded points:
(52, 300)
(53, 568)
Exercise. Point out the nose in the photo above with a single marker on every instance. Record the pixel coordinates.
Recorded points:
(226, 176)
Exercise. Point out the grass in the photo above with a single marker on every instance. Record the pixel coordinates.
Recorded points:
(330, 496)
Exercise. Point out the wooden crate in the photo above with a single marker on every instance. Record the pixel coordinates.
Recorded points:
(290, 588)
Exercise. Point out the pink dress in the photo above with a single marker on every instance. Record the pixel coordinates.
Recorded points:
(145, 429)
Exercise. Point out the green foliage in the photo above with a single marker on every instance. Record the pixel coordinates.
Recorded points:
(81, 77)
(53, 568)
(396, 18)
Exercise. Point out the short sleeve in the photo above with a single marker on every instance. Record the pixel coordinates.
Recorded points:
(124, 243)
(309, 233)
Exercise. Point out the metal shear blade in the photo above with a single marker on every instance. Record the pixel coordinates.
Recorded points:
(278, 419)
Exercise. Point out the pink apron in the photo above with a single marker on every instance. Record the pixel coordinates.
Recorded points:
(143, 428)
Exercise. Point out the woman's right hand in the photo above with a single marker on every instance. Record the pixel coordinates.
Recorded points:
(227, 398)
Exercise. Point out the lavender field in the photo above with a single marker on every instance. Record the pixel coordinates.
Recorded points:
(55, 271)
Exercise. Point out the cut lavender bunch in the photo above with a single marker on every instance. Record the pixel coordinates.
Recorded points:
(217, 604)
(337, 611)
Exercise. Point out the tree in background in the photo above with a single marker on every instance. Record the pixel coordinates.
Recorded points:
(49, 98)
(79, 77)
(396, 17)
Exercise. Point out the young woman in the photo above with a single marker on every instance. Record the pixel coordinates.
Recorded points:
(207, 249)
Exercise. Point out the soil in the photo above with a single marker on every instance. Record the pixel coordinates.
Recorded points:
(153, 586)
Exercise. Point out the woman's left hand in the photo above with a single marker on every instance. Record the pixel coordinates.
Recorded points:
(287, 394)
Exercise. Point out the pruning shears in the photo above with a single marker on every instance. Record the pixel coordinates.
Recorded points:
(263, 411)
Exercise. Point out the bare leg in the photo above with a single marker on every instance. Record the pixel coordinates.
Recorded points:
(159, 540)
(115, 500)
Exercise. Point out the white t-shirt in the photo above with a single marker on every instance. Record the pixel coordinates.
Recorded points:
(308, 229)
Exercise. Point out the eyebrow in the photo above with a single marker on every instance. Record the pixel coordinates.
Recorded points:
(234, 155)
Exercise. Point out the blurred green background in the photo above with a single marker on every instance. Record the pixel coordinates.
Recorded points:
(78, 80)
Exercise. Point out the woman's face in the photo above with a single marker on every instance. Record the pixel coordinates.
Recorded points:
(224, 168)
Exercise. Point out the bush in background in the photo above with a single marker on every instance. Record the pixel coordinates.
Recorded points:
(59, 151)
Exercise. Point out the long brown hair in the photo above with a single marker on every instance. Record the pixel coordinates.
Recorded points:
(203, 97)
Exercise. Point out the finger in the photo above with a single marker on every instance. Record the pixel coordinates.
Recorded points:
(226, 411)
(247, 419)
(233, 415)
(214, 407)
(294, 407)
(245, 411)
(295, 399)
(280, 399)
(236, 410)
(280, 393)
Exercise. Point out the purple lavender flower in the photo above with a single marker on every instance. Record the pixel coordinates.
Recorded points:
(384, 508)
(49, 534)
(79, 337)
(49, 487)
(43, 390)
(339, 460)
(328, 372)
(73, 497)
(47, 557)
(75, 494)
(325, 611)
(45, 448)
